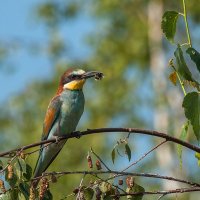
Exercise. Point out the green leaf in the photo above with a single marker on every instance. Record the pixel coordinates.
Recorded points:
(105, 187)
(183, 135)
(195, 56)
(197, 155)
(28, 173)
(24, 189)
(1, 165)
(113, 155)
(12, 182)
(107, 190)
(20, 167)
(191, 105)
(14, 194)
(10, 195)
(48, 195)
(128, 151)
(168, 24)
(136, 188)
(88, 193)
(182, 67)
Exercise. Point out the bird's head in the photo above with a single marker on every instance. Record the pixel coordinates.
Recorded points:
(74, 79)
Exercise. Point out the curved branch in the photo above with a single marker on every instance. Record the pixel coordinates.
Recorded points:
(78, 134)
(118, 173)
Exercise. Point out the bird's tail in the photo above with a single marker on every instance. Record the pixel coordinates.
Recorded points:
(37, 172)
(46, 157)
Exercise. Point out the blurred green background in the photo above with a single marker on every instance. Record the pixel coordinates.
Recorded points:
(39, 40)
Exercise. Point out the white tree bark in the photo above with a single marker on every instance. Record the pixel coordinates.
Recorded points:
(159, 80)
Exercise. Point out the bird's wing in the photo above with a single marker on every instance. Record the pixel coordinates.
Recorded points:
(52, 114)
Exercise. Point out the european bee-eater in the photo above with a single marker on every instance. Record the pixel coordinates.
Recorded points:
(63, 114)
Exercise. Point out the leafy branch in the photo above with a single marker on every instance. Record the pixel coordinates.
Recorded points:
(176, 191)
(132, 190)
(118, 173)
(181, 71)
(19, 175)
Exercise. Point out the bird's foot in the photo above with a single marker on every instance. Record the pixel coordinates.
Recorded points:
(57, 138)
(77, 134)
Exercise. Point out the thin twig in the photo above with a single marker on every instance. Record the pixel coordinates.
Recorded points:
(142, 157)
(42, 147)
(186, 23)
(78, 197)
(92, 151)
(78, 134)
(164, 192)
(12, 159)
(180, 81)
(161, 196)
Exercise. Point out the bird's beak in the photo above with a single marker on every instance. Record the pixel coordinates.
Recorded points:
(97, 75)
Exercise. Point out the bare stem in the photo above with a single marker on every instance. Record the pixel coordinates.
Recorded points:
(78, 197)
(186, 23)
(98, 157)
(142, 157)
(161, 196)
(180, 81)
(165, 192)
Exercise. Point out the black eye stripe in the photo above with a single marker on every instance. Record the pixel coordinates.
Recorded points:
(74, 76)
(71, 77)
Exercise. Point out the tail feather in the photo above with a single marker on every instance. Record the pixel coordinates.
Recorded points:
(46, 157)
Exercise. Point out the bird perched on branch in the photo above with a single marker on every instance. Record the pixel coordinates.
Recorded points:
(63, 114)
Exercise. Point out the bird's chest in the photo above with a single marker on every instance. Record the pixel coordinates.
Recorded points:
(71, 110)
(71, 107)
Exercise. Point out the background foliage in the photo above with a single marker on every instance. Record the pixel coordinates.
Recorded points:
(120, 45)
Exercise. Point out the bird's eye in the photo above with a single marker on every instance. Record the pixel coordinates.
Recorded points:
(73, 76)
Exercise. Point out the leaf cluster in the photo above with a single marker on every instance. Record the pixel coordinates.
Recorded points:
(182, 73)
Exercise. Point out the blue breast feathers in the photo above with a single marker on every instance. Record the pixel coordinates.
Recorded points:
(71, 110)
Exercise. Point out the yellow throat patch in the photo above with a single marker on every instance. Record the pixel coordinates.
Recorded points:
(74, 85)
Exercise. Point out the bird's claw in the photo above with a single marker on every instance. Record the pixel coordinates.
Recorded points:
(56, 138)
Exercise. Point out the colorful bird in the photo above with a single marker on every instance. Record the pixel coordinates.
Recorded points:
(63, 114)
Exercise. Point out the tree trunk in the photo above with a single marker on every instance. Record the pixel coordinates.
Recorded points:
(159, 80)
